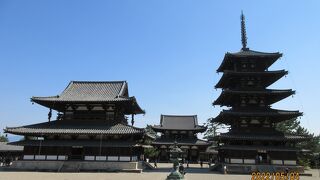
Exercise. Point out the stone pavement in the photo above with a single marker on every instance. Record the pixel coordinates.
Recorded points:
(193, 173)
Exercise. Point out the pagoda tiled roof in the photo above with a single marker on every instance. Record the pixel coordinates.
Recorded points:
(87, 92)
(227, 97)
(261, 137)
(87, 143)
(183, 141)
(229, 116)
(269, 77)
(94, 127)
(179, 122)
(246, 53)
(269, 58)
(7, 147)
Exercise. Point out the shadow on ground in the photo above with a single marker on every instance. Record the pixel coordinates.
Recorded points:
(193, 170)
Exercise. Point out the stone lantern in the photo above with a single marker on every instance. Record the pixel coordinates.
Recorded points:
(175, 157)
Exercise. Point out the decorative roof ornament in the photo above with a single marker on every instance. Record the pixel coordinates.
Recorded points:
(243, 33)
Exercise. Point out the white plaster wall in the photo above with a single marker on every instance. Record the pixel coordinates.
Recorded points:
(101, 158)
(89, 158)
(249, 161)
(40, 157)
(236, 161)
(289, 162)
(124, 158)
(52, 157)
(112, 158)
(28, 157)
(276, 162)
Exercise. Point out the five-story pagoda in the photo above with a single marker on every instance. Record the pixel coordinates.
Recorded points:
(253, 143)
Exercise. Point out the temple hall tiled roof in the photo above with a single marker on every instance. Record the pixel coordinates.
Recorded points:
(78, 91)
(75, 127)
(92, 92)
(179, 122)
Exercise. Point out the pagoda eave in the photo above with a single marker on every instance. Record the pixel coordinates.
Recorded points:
(242, 137)
(232, 116)
(232, 97)
(229, 58)
(255, 148)
(231, 77)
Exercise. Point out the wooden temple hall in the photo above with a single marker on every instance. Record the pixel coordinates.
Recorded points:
(253, 139)
(91, 125)
(182, 130)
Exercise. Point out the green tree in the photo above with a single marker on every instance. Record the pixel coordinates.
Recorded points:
(151, 153)
(293, 127)
(150, 131)
(3, 138)
(212, 129)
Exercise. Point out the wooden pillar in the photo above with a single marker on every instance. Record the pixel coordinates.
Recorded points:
(130, 153)
(132, 119)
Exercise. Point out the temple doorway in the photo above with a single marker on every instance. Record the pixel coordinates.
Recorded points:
(76, 153)
(262, 158)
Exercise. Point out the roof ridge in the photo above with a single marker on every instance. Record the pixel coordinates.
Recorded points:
(98, 81)
(120, 94)
(129, 126)
(180, 115)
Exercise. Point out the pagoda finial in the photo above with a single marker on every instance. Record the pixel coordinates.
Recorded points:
(243, 33)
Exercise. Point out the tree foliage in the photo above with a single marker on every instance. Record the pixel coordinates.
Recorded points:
(150, 131)
(212, 129)
(3, 138)
(151, 153)
(293, 127)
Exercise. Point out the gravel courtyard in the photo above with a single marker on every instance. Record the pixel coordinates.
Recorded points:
(193, 173)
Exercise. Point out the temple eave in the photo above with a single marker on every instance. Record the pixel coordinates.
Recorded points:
(69, 143)
(187, 142)
(79, 128)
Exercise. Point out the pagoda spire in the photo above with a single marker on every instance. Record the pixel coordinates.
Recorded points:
(243, 33)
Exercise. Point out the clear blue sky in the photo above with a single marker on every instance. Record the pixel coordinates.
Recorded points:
(168, 51)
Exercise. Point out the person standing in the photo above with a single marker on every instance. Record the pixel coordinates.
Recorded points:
(155, 163)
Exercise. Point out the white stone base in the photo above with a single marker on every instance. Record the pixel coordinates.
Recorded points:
(247, 168)
(75, 166)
